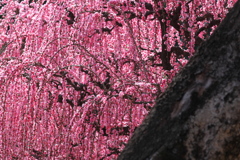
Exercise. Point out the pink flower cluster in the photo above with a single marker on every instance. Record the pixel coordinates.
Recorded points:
(78, 76)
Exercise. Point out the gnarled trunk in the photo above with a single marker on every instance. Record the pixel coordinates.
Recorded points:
(198, 116)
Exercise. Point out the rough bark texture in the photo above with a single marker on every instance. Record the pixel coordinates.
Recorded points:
(198, 117)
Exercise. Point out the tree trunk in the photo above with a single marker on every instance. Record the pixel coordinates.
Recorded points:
(198, 116)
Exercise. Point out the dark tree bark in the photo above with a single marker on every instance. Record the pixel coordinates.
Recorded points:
(198, 116)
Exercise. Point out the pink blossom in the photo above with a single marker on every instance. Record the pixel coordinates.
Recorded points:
(79, 90)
